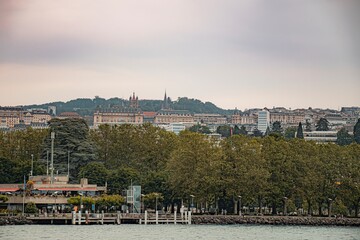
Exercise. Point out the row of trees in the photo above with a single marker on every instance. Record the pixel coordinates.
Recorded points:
(263, 171)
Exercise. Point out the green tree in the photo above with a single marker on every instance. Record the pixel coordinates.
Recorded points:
(200, 129)
(241, 130)
(4, 198)
(276, 127)
(290, 133)
(357, 132)
(110, 202)
(322, 125)
(244, 170)
(151, 199)
(257, 133)
(195, 168)
(299, 132)
(308, 126)
(95, 172)
(343, 137)
(71, 135)
(224, 130)
(31, 208)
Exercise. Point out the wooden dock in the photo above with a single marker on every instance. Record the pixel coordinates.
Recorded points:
(114, 218)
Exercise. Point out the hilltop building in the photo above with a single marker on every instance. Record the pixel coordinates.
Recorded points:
(115, 115)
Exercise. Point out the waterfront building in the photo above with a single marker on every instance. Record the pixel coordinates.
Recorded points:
(40, 191)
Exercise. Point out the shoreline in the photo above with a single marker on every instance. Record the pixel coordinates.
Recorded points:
(274, 220)
(235, 220)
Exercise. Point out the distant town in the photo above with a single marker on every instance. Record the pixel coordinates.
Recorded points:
(175, 120)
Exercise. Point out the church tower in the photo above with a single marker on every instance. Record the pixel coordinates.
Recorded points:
(134, 101)
(166, 103)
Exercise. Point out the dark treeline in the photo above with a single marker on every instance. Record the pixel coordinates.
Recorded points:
(87, 106)
(269, 171)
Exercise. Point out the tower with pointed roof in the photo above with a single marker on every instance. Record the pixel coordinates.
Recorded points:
(134, 101)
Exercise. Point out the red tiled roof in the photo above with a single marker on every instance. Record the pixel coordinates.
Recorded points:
(9, 189)
(149, 114)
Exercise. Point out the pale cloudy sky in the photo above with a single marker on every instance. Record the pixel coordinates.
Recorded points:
(234, 53)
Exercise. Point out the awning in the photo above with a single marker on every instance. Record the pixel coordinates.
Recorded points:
(9, 189)
(67, 189)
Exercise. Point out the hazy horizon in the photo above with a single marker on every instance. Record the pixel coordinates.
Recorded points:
(235, 54)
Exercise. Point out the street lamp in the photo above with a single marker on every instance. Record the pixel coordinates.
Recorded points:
(192, 202)
(52, 157)
(239, 205)
(68, 173)
(156, 201)
(142, 202)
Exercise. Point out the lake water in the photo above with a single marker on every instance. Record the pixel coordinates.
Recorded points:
(99, 232)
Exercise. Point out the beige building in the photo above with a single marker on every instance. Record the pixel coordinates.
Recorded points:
(10, 116)
(244, 119)
(173, 116)
(287, 117)
(119, 114)
(209, 118)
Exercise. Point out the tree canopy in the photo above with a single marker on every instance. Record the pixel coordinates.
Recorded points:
(322, 125)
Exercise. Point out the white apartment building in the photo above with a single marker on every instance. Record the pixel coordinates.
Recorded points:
(263, 120)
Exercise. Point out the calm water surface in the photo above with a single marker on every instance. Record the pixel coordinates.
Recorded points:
(98, 232)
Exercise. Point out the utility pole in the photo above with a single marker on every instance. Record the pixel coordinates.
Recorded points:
(47, 163)
(68, 164)
(52, 158)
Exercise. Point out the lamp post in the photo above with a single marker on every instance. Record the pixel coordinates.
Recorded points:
(142, 203)
(9, 194)
(32, 164)
(192, 202)
(68, 173)
(156, 201)
(52, 157)
(239, 205)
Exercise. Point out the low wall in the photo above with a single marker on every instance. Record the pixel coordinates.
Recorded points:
(274, 220)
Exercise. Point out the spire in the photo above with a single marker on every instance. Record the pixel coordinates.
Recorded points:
(165, 104)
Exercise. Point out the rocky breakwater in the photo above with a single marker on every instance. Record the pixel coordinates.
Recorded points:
(14, 221)
(274, 220)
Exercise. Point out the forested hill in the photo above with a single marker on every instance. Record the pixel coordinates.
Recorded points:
(86, 106)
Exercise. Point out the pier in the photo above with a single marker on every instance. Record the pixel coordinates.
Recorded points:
(79, 218)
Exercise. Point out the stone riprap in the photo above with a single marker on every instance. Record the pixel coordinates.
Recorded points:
(14, 221)
(275, 220)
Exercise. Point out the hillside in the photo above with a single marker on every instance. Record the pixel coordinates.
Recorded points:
(86, 106)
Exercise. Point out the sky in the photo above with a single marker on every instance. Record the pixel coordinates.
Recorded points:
(235, 53)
